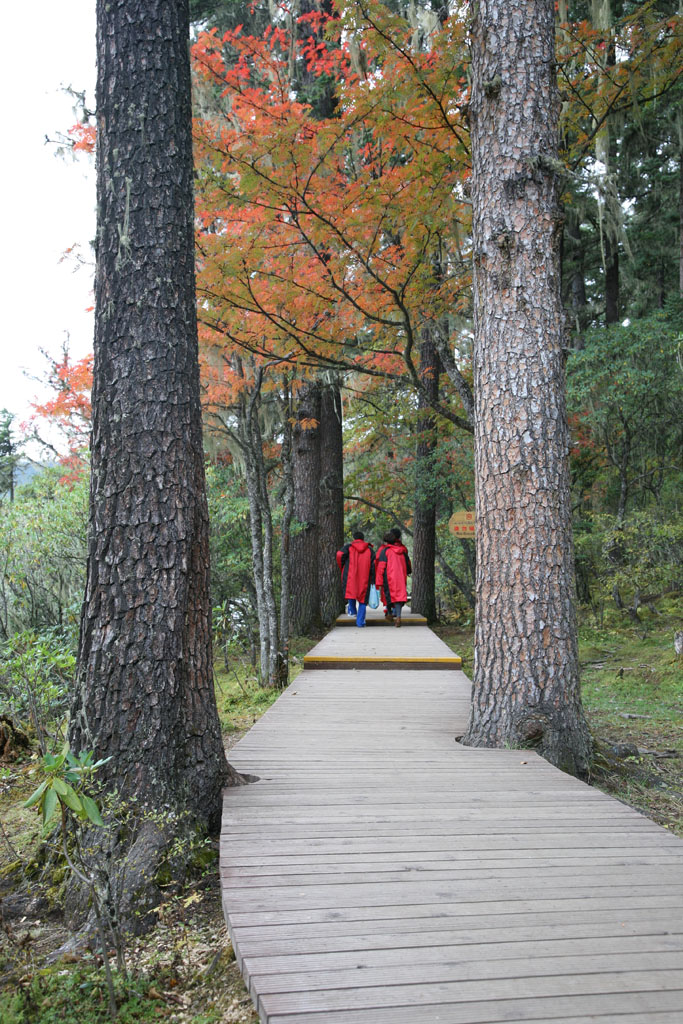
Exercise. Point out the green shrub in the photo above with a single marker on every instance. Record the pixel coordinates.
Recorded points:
(36, 670)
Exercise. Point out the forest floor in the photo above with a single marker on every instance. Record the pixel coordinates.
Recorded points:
(184, 971)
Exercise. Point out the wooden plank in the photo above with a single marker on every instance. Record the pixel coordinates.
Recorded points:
(495, 913)
(234, 880)
(375, 617)
(377, 997)
(622, 1008)
(460, 969)
(321, 897)
(408, 829)
(259, 867)
(458, 848)
(364, 950)
(426, 930)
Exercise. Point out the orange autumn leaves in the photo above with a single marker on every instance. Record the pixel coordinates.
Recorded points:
(328, 241)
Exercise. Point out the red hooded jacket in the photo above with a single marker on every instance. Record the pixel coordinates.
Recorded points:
(379, 565)
(356, 563)
(393, 570)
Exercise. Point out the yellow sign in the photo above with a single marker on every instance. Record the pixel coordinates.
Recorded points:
(461, 524)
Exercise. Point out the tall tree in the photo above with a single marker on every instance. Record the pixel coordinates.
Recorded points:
(331, 515)
(423, 596)
(304, 545)
(526, 680)
(144, 695)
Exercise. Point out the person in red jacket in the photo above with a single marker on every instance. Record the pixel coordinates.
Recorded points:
(394, 569)
(356, 562)
(387, 539)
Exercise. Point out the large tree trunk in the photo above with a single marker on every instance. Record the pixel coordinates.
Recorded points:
(331, 519)
(286, 535)
(261, 530)
(423, 596)
(526, 685)
(305, 580)
(144, 693)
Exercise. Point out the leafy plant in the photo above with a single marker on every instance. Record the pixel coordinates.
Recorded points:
(35, 671)
(43, 554)
(67, 775)
(63, 789)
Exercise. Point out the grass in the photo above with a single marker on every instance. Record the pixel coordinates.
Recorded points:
(241, 701)
(57, 996)
(632, 688)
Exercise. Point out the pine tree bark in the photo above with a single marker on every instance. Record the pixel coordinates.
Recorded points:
(286, 535)
(526, 685)
(423, 594)
(144, 693)
(331, 520)
(305, 580)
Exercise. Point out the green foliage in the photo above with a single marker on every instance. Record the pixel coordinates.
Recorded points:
(623, 61)
(382, 465)
(35, 675)
(639, 558)
(9, 455)
(43, 554)
(58, 996)
(239, 698)
(625, 396)
(228, 14)
(67, 776)
(649, 175)
(232, 575)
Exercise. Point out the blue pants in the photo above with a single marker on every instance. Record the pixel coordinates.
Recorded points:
(359, 613)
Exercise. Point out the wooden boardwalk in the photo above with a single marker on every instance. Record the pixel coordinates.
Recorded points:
(380, 873)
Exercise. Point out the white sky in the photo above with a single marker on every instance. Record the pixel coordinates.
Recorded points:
(48, 201)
